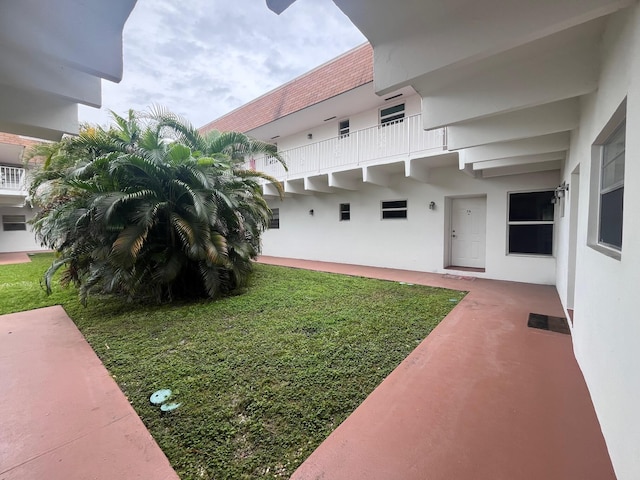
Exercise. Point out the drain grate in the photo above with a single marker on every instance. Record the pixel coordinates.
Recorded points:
(547, 322)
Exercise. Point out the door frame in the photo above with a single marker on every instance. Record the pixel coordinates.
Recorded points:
(448, 239)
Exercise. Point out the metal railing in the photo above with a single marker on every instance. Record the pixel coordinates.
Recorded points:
(361, 147)
(12, 178)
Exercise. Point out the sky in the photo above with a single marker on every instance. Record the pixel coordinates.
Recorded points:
(203, 58)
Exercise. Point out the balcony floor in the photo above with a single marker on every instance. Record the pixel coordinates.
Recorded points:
(483, 397)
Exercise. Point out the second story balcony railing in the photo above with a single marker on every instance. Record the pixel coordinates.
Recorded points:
(362, 147)
(12, 178)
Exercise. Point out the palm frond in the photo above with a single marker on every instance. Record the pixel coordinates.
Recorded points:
(127, 246)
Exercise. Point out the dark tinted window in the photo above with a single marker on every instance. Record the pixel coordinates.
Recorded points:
(531, 206)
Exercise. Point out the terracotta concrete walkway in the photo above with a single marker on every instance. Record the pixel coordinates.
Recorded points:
(63, 417)
(484, 397)
(11, 258)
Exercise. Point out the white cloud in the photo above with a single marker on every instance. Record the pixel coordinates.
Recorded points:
(203, 58)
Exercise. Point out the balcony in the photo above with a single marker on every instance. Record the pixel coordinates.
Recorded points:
(381, 144)
(13, 187)
(12, 178)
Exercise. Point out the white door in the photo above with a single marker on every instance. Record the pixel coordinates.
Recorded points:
(468, 232)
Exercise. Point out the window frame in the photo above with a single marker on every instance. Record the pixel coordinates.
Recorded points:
(387, 120)
(343, 130)
(616, 122)
(619, 185)
(342, 211)
(15, 221)
(274, 220)
(511, 223)
(388, 209)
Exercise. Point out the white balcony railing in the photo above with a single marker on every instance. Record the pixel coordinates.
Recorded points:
(361, 147)
(12, 178)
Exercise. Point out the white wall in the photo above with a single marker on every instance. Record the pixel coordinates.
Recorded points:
(20, 241)
(416, 243)
(606, 330)
(357, 121)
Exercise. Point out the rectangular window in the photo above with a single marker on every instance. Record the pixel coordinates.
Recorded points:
(343, 128)
(274, 222)
(531, 218)
(391, 115)
(394, 209)
(345, 212)
(12, 223)
(612, 189)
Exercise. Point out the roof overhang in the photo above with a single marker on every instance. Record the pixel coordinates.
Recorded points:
(346, 104)
(53, 56)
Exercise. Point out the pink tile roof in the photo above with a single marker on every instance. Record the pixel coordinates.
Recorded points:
(344, 73)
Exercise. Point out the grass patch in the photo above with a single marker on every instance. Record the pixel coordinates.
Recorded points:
(265, 376)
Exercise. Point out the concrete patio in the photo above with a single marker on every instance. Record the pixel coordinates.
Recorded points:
(483, 397)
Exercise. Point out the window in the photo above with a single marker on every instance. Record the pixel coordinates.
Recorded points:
(343, 128)
(531, 223)
(394, 209)
(612, 190)
(391, 115)
(345, 212)
(12, 223)
(274, 222)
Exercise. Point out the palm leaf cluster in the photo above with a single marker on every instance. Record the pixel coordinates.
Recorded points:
(149, 208)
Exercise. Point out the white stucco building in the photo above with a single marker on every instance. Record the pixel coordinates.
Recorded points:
(16, 234)
(495, 139)
(53, 56)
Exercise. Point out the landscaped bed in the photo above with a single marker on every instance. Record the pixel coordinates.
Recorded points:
(262, 377)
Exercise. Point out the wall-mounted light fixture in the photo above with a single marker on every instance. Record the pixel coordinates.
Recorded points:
(432, 205)
(560, 190)
(311, 212)
(309, 136)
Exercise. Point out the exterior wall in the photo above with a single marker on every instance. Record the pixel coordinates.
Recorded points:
(357, 121)
(606, 330)
(416, 243)
(20, 241)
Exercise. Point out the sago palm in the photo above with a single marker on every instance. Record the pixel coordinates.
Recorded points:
(134, 212)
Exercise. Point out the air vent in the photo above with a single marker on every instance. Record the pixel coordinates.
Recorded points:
(392, 97)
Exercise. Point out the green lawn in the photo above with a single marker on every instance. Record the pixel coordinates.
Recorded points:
(263, 377)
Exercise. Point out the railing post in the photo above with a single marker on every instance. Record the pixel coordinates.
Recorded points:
(409, 126)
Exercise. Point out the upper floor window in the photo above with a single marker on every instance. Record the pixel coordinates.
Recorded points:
(343, 128)
(531, 217)
(612, 189)
(391, 115)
